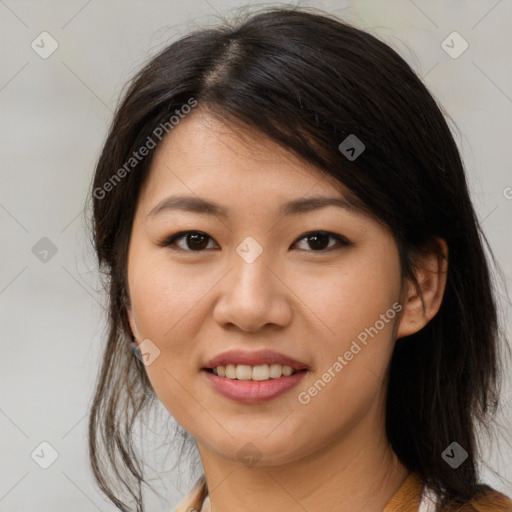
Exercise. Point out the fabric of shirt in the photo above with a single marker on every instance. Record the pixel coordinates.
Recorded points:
(412, 496)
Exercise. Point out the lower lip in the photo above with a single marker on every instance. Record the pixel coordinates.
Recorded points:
(251, 391)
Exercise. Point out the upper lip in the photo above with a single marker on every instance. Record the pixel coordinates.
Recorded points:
(254, 358)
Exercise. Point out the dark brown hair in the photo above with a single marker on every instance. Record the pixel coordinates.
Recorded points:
(307, 81)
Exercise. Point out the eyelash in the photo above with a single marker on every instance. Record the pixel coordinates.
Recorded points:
(169, 242)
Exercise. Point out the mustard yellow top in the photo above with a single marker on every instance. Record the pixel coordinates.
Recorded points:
(412, 496)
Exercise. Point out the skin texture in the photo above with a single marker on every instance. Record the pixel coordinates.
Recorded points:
(331, 453)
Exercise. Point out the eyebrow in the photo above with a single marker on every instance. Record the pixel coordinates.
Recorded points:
(205, 207)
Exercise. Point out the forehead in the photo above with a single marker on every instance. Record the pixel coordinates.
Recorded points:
(204, 155)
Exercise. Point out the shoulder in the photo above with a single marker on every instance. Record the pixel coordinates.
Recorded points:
(486, 500)
(490, 500)
(193, 501)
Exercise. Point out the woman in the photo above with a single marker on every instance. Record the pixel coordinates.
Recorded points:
(284, 220)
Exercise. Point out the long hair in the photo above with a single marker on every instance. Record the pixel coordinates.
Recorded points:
(308, 81)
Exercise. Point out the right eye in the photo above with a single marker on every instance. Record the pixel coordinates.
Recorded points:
(194, 240)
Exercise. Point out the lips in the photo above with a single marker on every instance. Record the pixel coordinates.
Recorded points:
(254, 358)
(250, 391)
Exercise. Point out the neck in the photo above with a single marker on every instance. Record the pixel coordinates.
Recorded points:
(357, 472)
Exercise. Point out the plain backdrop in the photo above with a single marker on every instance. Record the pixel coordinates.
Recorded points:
(55, 111)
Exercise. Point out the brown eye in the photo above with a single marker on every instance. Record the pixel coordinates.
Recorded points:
(194, 241)
(197, 241)
(318, 241)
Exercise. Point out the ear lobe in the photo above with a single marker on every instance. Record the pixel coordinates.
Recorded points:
(423, 299)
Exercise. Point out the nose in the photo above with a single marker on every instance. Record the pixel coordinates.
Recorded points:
(253, 295)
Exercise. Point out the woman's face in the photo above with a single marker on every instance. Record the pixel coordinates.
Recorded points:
(257, 279)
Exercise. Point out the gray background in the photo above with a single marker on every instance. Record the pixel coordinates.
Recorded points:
(54, 117)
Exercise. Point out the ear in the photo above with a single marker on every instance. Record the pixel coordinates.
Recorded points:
(423, 299)
(133, 325)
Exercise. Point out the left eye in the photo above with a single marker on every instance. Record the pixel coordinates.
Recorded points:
(318, 240)
(197, 241)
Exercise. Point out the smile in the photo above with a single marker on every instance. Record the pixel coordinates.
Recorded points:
(258, 373)
(253, 391)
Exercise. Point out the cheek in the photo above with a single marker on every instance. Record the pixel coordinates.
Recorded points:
(165, 302)
(163, 297)
(347, 301)
(157, 299)
(358, 307)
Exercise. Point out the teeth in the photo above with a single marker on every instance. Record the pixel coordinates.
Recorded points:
(247, 372)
